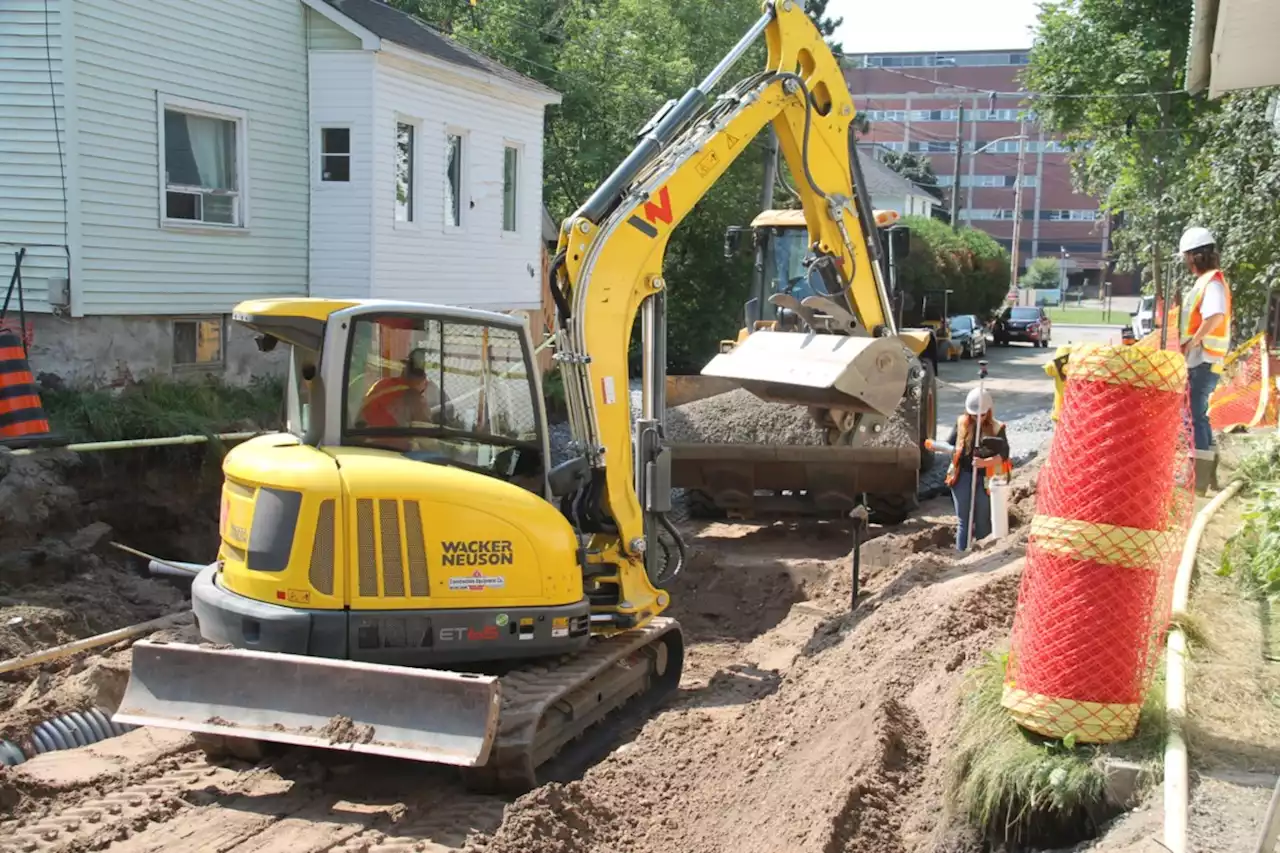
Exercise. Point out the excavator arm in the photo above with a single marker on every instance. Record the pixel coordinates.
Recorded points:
(609, 261)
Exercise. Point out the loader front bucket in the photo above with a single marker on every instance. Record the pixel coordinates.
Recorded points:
(830, 371)
(418, 714)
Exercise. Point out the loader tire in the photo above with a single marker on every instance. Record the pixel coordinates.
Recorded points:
(928, 423)
(701, 505)
(889, 510)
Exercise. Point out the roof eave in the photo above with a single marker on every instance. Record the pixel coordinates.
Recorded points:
(536, 91)
(1200, 52)
(369, 40)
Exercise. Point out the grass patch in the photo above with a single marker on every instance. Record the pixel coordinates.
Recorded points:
(1085, 316)
(1021, 789)
(157, 408)
(1254, 550)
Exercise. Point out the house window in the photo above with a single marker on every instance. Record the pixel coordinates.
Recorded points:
(404, 172)
(335, 154)
(453, 180)
(510, 184)
(202, 164)
(197, 343)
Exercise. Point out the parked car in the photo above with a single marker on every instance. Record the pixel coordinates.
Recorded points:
(1144, 319)
(1023, 323)
(968, 332)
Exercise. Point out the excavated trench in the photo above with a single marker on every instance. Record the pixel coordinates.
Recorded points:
(798, 726)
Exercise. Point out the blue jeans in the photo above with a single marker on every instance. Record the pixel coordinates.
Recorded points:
(981, 508)
(1203, 381)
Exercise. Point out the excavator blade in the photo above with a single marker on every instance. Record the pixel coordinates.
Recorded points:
(418, 714)
(829, 371)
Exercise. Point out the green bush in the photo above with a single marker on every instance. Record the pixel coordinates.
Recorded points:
(1042, 274)
(968, 262)
(158, 408)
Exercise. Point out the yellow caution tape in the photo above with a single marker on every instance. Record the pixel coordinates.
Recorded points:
(1089, 722)
(1135, 366)
(1127, 547)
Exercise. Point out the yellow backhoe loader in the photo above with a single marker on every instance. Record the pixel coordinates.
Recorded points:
(403, 572)
(862, 461)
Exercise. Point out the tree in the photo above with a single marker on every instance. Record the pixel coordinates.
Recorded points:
(968, 262)
(615, 62)
(1233, 188)
(912, 167)
(1109, 75)
(817, 9)
(1042, 274)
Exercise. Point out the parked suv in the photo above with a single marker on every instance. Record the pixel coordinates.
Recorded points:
(968, 334)
(1023, 323)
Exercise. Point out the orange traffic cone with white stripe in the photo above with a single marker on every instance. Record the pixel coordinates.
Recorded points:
(22, 419)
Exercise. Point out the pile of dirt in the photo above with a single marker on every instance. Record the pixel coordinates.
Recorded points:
(740, 417)
(845, 753)
(60, 577)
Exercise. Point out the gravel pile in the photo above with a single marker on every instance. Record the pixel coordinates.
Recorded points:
(740, 417)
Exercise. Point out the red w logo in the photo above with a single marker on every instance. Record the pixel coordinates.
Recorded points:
(661, 210)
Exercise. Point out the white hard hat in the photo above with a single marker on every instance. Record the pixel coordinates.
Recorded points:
(978, 402)
(1195, 237)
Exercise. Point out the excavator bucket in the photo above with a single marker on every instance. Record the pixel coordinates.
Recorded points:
(418, 714)
(830, 371)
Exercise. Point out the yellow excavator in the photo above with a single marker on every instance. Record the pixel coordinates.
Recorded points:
(403, 572)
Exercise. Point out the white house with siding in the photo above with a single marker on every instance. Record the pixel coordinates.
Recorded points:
(162, 160)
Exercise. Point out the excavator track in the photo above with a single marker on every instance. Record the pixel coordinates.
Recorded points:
(552, 713)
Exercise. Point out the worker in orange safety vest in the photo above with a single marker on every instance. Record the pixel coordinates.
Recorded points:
(991, 458)
(400, 401)
(1205, 332)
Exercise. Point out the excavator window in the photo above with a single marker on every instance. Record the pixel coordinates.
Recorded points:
(444, 391)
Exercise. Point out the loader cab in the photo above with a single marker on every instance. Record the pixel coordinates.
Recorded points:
(780, 241)
(438, 384)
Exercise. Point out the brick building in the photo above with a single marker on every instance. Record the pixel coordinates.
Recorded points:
(912, 99)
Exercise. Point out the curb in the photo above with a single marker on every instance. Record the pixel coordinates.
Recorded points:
(1176, 786)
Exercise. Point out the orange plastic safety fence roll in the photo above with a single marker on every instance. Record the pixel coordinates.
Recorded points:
(1103, 544)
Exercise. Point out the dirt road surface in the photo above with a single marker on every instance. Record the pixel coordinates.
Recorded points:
(798, 727)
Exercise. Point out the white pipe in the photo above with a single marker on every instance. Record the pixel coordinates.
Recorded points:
(1176, 787)
(174, 569)
(131, 443)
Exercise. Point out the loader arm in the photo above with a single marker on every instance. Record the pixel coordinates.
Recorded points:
(610, 255)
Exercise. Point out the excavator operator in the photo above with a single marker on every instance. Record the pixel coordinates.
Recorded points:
(401, 401)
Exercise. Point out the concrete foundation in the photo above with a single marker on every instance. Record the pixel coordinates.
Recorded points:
(116, 351)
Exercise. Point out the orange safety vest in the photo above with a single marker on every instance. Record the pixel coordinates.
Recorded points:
(379, 408)
(1217, 342)
(953, 470)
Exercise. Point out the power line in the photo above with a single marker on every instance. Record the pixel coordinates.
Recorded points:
(1025, 94)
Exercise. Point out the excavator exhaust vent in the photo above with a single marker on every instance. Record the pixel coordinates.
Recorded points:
(321, 571)
(386, 539)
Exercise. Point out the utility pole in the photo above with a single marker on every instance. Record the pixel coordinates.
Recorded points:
(955, 182)
(770, 169)
(1017, 204)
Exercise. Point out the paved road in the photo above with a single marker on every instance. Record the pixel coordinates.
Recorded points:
(1016, 380)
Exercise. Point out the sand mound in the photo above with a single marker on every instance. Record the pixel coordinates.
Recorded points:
(846, 754)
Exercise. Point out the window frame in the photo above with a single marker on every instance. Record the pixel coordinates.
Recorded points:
(196, 320)
(464, 161)
(319, 155)
(240, 118)
(517, 189)
(414, 221)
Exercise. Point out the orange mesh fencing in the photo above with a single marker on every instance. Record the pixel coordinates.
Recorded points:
(1113, 503)
(1246, 393)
